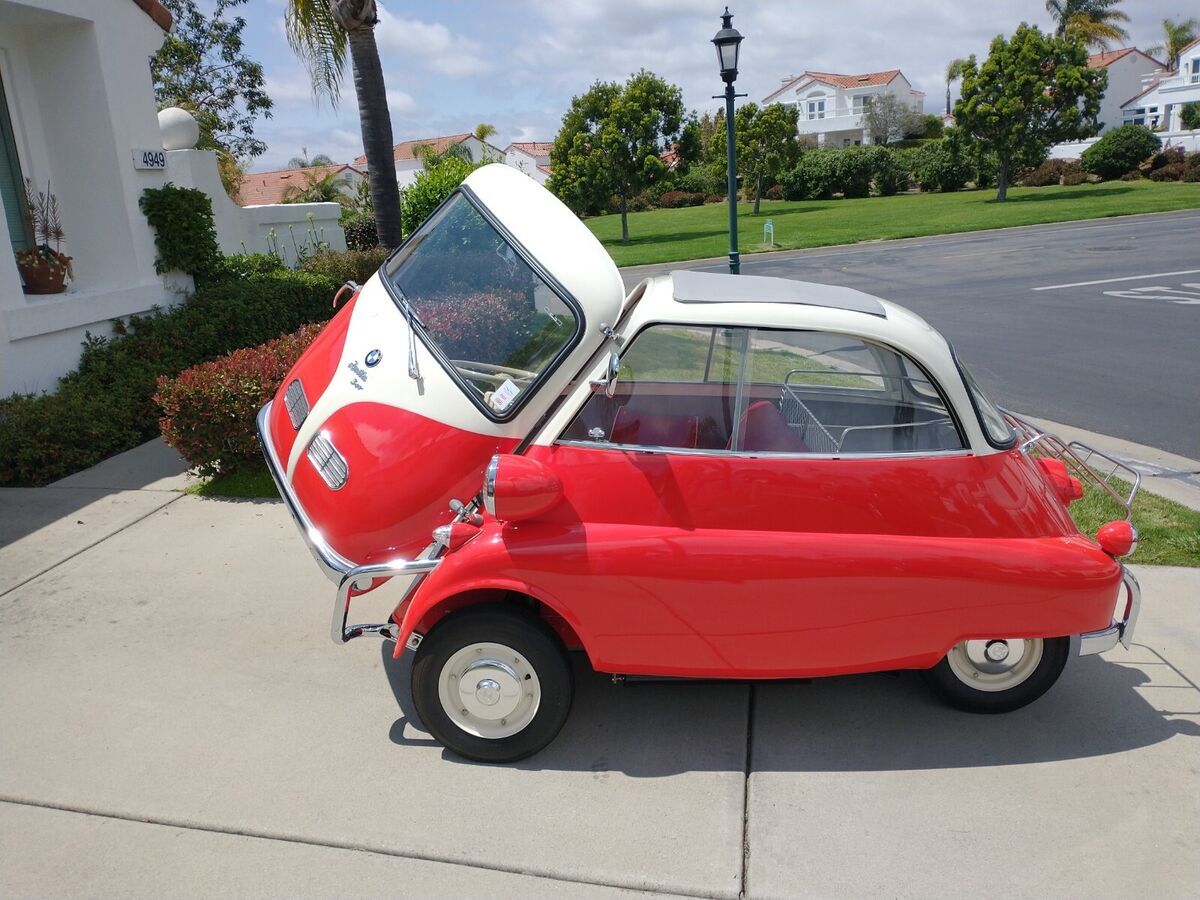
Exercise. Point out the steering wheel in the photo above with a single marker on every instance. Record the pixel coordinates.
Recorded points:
(491, 373)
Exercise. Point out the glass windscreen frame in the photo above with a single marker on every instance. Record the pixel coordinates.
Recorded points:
(544, 291)
(987, 412)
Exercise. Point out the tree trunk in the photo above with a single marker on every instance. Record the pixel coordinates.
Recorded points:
(1002, 181)
(624, 218)
(947, 98)
(757, 192)
(376, 123)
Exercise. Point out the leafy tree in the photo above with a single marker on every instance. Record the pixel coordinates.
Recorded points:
(1176, 36)
(1033, 91)
(611, 141)
(766, 143)
(1096, 22)
(321, 32)
(889, 118)
(303, 161)
(954, 70)
(1191, 115)
(203, 68)
(431, 187)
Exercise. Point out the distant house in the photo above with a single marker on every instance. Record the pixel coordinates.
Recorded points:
(279, 186)
(1128, 69)
(831, 106)
(531, 157)
(408, 162)
(1159, 101)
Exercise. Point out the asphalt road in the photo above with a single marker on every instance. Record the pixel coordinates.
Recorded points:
(1096, 324)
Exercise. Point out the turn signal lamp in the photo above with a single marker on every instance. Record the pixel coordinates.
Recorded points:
(517, 487)
(1117, 538)
(1067, 486)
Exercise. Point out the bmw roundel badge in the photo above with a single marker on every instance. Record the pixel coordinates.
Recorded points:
(373, 358)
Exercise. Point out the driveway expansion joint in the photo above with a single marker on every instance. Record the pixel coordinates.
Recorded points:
(264, 835)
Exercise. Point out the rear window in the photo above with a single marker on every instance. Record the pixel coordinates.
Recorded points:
(995, 427)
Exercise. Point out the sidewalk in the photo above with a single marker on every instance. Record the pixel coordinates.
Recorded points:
(175, 722)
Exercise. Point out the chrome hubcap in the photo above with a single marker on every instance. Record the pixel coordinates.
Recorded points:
(489, 690)
(996, 664)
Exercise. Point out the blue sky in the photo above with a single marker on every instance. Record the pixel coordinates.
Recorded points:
(452, 64)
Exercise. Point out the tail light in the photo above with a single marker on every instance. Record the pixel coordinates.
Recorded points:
(517, 487)
(328, 462)
(1118, 538)
(1066, 485)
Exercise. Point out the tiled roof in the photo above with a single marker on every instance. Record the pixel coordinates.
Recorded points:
(533, 148)
(259, 188)
(156, 11)
(867, 79)
(545, 169)
(406, 149)
(1107, 58)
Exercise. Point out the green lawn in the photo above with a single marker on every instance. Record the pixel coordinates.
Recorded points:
(666, 235)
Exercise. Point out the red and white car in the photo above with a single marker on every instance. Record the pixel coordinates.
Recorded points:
(714, 476)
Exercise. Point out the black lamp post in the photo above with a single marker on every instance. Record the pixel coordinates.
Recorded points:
(728, 39)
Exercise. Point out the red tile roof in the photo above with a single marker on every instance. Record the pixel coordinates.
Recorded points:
(533, 148)
(156, 11)
(868, 79)
(406, 149)
(259, 188)
(1108, 57)
(545, 169)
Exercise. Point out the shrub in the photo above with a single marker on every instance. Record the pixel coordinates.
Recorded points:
(352, 265)
(812, 178)
(715, 198)
(1119, 151)
(774, 192)
(1191, 115)
(1135, 175)
(107, 405)
(701, 180)
(1070, 179)
(242, 264)
(854, 169)
(888, 170)
(1170, 172)
(209, 410)
(360, 231)
(678, 199)
(1052, 171)
(637, 203)
(941, 166)
(184, 233)
(1163, 158)
(429, 189)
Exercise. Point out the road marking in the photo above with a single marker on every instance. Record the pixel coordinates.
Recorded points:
(1055, 287)
(1162, 292)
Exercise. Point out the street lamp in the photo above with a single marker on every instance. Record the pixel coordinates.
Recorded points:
(728, 40)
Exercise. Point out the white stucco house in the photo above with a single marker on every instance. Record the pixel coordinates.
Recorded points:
(280, 185)
(1128, 71)
(408, 160)
(1158, 102)
(831, 105)
(530, 157)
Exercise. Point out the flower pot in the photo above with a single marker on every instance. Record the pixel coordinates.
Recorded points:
(45, 276)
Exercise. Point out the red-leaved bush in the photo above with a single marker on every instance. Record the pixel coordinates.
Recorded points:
(209, 410)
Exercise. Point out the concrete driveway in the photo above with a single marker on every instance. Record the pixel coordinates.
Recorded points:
(175, 722)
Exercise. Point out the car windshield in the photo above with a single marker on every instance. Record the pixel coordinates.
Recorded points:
(498, 324)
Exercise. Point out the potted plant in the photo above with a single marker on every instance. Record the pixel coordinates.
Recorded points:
(44, 269)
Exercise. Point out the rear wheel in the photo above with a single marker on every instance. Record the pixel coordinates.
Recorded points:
(492, 683)
(998, 674)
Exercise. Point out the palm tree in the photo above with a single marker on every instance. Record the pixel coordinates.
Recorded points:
(483, 131)
(1176, 36)
(1095, 22)
(429, 156)
(954, 71)
(304, 162)
(318, 188)
(320, 32)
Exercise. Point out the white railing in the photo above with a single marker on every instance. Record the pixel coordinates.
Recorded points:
(844, 122)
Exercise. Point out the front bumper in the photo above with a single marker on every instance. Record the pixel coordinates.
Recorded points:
(1122, 630)
(345, 574)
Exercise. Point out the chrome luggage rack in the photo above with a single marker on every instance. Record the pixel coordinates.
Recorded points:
(1082, 460)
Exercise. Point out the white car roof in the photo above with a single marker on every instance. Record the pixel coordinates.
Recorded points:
(709, 287)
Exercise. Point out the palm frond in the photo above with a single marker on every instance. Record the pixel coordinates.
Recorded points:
(320, 43)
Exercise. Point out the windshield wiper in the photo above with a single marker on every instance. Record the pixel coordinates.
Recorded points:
(414, 369)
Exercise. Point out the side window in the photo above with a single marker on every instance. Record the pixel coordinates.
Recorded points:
(817, 392)
(677, 388)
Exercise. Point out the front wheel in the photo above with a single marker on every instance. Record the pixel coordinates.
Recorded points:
(998, 674)
(492, 683)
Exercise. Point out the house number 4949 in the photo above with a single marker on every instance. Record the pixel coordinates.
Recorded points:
(149, 159)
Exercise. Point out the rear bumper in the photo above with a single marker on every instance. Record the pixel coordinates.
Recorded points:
(346, 575)
(1120, 630)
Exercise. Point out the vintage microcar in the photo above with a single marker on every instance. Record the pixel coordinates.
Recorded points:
(715, 476)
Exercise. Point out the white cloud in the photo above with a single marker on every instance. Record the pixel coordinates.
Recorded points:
(432, 45)
(400, 103)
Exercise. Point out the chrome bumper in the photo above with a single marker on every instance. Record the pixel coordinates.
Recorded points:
(1122, 631)
(341, 571)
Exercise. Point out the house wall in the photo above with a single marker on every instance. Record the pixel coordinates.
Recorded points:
(528, 164)
(1188, 140)
(76, 124)
(1125, 79)
(407, 169)
(841, 122)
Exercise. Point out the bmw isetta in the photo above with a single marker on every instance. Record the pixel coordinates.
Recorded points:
(712, 476)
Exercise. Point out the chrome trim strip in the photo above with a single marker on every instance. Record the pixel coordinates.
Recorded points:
(339, 630)
(693, 451)
(1122, 631)
(332, 563)
(489, 485)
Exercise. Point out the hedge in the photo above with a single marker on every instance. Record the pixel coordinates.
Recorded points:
(106, 405)
(352, 265)
(1119, 151)
(209, 410)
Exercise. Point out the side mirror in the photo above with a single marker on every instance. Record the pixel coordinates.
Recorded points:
(611, 373)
